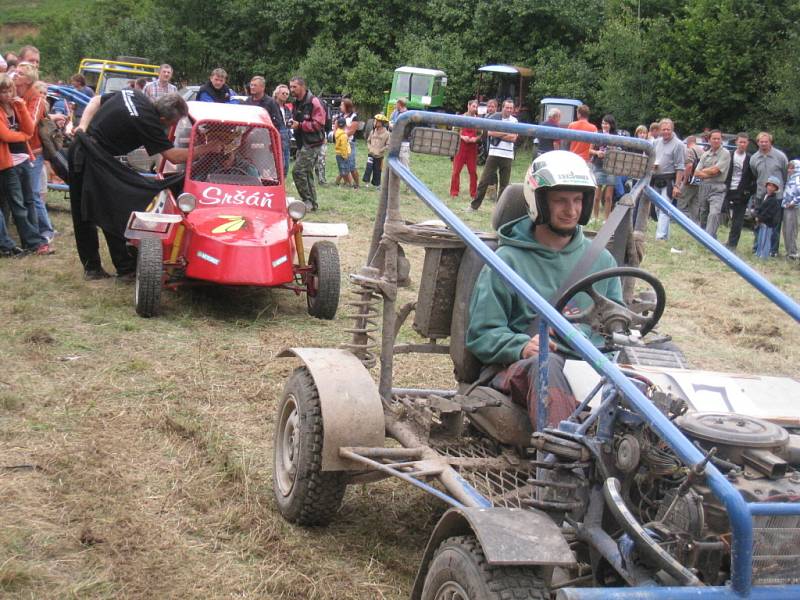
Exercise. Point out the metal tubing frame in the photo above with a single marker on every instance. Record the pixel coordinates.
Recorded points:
(748, 273)
(739, 512)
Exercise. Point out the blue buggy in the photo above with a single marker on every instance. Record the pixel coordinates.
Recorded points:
(655, 486)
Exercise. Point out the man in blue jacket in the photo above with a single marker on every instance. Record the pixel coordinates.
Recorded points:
(542, 247)
(216, 89)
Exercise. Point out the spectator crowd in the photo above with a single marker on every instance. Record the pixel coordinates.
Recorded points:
(711, 183)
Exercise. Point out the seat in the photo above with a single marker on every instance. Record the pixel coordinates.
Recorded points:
(510, 206)
(502, 420)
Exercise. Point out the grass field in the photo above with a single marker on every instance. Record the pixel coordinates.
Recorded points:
(135, 455)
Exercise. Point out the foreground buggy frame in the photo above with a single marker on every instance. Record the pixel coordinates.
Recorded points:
(509, 533)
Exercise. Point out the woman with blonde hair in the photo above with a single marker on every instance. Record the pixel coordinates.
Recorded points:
(25, 79)
(16, 129)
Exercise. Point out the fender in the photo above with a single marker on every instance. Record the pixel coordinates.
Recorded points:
(508, 536)
(352, 411)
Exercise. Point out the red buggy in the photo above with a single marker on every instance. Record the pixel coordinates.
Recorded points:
(232, 223)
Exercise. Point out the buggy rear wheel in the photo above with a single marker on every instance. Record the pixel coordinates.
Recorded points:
(324, 280)
(458, 571)
(304, 493)
(149, 268)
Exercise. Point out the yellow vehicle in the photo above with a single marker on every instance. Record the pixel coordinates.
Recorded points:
(113, 75)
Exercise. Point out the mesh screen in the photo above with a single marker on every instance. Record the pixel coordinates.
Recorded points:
(439, 142)
(776, 550)
(630, 164)
(507, 488)
(243, 155)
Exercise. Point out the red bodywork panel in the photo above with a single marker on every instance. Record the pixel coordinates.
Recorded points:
(240, 232)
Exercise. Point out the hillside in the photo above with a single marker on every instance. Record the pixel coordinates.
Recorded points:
(19, 21)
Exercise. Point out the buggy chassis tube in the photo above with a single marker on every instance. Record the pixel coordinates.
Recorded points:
(749, 274)
(739, 512)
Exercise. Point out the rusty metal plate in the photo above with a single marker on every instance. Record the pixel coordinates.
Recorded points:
(352, 412)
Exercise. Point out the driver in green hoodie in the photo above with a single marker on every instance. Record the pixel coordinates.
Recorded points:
(542, 247)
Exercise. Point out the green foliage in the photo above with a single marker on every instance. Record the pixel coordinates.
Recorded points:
(560, 73)
(719, 63)
(363, 81)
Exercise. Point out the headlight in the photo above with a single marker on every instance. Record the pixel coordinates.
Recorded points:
(187, 202)
(296, 208)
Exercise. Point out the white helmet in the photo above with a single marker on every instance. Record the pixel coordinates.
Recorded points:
(558, 169)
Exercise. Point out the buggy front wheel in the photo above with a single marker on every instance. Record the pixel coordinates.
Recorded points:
(149, 269)
(459, 571)
(323, 281)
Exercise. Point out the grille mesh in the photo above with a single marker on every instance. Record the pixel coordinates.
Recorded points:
(776, 550)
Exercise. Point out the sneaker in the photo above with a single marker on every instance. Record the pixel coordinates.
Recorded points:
(95, 274)
(44, 250)
(794, 257)
(469, 209)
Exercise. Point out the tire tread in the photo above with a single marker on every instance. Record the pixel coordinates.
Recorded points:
(321, 491)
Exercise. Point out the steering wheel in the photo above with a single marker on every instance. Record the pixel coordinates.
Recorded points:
(605, 316)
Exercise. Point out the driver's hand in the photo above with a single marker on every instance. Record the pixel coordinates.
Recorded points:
(532, 347)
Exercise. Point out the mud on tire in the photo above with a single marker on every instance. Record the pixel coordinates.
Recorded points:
(304, 493)
(459, 570)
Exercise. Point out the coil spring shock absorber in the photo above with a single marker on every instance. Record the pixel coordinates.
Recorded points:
(365, 317)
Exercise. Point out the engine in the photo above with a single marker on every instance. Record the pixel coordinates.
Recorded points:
(682, 514)
(673, 528)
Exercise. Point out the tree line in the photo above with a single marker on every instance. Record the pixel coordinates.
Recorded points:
(730, 64)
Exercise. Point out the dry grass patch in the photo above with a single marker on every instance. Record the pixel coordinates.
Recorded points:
(145, 446)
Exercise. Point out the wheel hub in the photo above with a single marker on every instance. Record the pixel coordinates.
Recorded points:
(289, 438)
(451, 591)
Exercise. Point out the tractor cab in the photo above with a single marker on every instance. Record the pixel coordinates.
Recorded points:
(501, 82)
(423, 89)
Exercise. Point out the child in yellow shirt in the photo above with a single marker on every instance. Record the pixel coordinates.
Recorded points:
(342, 146)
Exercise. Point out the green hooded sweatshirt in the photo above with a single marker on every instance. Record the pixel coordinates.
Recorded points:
(499, 319)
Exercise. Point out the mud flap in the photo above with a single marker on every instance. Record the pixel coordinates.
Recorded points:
(508, 536)
(352, 411)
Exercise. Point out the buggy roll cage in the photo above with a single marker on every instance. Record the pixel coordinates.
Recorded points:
(740, 512)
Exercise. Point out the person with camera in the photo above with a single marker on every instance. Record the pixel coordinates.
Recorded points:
(308, 123)
(501, 157)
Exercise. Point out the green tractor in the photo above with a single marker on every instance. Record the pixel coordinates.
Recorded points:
(423, 89)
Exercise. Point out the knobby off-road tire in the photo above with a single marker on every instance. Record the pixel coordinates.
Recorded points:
(149, 267)
(458, 571)
(324, 280)
(304, 493)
